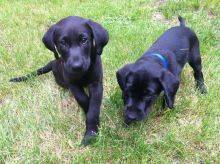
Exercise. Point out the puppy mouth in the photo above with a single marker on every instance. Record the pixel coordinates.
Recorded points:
(74, 70)
(128, 120)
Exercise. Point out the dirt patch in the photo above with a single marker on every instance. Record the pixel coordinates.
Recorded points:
(157, 131)
(50, 142)
(194, 121)
(158, 17)
(69, 102)
(160, 2)
(211, 14)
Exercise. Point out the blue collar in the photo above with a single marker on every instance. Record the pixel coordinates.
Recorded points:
(163, 60)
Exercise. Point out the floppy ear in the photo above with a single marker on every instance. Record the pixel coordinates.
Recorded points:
(48, 40)
(170, 85)
(121, 77)
(100, 36)
(122, 74)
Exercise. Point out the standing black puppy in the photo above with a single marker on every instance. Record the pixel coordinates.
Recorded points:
(79, 42)
(159, 70)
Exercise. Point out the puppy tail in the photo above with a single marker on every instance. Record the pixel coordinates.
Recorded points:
(182, 21)
(40, 71)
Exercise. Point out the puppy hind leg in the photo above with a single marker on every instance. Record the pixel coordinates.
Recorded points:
(196, 64)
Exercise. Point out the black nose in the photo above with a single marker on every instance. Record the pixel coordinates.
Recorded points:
(77, 66)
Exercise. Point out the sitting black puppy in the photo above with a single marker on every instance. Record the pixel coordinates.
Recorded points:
(159, 70)
(79, 42)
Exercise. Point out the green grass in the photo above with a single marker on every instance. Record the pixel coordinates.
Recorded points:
(40, 122)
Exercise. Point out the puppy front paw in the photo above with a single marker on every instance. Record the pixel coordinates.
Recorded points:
(89, 138)
(202, 89)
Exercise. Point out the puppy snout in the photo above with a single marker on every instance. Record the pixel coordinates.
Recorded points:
(130, 112)
(77, 66)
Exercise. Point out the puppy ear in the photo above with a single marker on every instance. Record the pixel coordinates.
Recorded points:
(49, 41)
(170, 86)
(120, 79)
(100, 36)
(121, 75)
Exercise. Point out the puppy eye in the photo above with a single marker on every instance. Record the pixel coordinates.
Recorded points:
(83, 39)
(62, 43)
(148, 92)
(145, 92)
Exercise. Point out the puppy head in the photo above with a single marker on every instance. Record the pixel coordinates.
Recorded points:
(141, 85)
(77, 40)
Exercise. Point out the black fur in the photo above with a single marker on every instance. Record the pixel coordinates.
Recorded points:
(142, 82)
(77, 44)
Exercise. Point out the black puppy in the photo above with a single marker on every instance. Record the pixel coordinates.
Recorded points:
(79, 42)
(159, 70)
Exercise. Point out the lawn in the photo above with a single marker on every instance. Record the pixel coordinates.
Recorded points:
(41, 122)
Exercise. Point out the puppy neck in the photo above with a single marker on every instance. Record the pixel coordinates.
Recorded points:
(162, 59)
